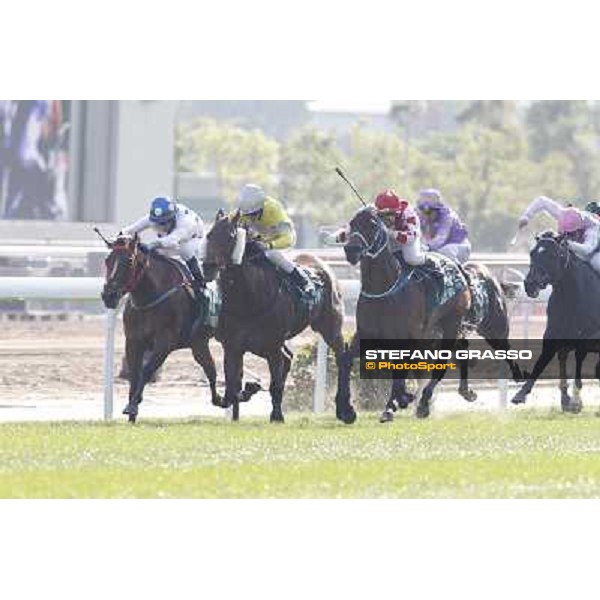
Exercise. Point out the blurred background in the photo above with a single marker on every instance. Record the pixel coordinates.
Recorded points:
(76, 162)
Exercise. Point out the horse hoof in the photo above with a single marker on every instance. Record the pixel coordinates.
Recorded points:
(131, 410)
(565, 403)
(277, 417)
(519, 398)
(251, 388)
(468, 395)
(132, 418)
(347, 416)
(423, 411)
(387, 416)
(404, 400)
(217, 401)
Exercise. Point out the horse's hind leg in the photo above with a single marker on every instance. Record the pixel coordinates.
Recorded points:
(279, 366)
(463, 387)
(203, 357)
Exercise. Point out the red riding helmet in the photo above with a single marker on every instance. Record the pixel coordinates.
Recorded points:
(388, 201)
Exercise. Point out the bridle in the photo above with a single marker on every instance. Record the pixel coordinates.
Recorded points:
(562, 252)
(379, 243)
(125, 254)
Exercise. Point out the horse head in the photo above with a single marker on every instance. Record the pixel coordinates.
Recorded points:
(549, 258)
(367, 236)
(124, 266)
(225, 244)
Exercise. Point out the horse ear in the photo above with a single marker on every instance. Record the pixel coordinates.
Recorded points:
(236, 218)
(220, 214)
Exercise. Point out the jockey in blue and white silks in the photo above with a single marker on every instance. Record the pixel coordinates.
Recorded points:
(179, 230)
(443, 230)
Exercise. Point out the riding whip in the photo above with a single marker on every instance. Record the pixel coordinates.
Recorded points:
(341, 174)
(102, 237)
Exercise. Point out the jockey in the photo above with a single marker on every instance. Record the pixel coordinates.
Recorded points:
(402, 222)
(179, 230)
(593, 207)
(443, 230)
(271, 228)
(582, 229)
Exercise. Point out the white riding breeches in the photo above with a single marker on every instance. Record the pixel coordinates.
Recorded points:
(413, 253)
(279, 260)
(186, 250)
(457, 252)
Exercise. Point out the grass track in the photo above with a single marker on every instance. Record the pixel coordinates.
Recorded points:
(529, 454)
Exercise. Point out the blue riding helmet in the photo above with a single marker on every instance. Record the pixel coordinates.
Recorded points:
(162, 210)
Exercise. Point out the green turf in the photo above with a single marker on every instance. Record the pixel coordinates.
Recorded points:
(530, 454)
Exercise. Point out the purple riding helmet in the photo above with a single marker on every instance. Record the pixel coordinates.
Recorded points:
(440, 224)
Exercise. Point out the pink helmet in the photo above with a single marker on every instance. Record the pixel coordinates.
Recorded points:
(570, 220)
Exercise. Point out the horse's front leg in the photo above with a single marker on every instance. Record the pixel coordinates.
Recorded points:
(565, 399)
(576, 405)
(549, 349)
(233, 365)
(134, 356)
(344, 410)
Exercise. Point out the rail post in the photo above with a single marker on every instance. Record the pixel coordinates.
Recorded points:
(109, 361)
(320, 378)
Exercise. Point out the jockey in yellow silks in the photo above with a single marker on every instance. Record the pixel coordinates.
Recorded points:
(269, 225)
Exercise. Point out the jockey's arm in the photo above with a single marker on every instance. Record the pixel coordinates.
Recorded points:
(182, 232)
(283, 237)
(137, 227)
(441, 237)
(542, 204)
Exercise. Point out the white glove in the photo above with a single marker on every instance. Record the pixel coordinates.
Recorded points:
(523, 222)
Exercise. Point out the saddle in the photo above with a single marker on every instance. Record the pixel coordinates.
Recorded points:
(308, 301)
(207, 309)
(443, 278)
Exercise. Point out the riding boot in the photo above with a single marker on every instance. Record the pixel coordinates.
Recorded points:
(303, 281)
(198, 282)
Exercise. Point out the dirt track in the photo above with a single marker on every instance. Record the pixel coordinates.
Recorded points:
(63, 360)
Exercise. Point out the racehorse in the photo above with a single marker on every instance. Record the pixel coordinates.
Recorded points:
(159, 317)
(259, 312)
(573, 314)
(393, 305)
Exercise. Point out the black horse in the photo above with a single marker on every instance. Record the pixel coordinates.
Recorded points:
(573, 311)
(160, 316)
(260, 313)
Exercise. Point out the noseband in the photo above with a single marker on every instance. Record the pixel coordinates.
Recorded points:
(135, 268)
(376, 247)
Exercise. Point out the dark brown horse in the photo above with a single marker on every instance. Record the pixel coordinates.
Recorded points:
(159, 316)
(393, 306)
(260, 312)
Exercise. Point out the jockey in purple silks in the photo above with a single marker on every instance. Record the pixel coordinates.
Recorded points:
(443, 231)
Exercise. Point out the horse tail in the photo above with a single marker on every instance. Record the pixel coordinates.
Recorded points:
(333, 291)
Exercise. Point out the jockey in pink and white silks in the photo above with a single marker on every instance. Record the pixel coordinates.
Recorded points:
(179, 231)
(443, 230)
(582, 228)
